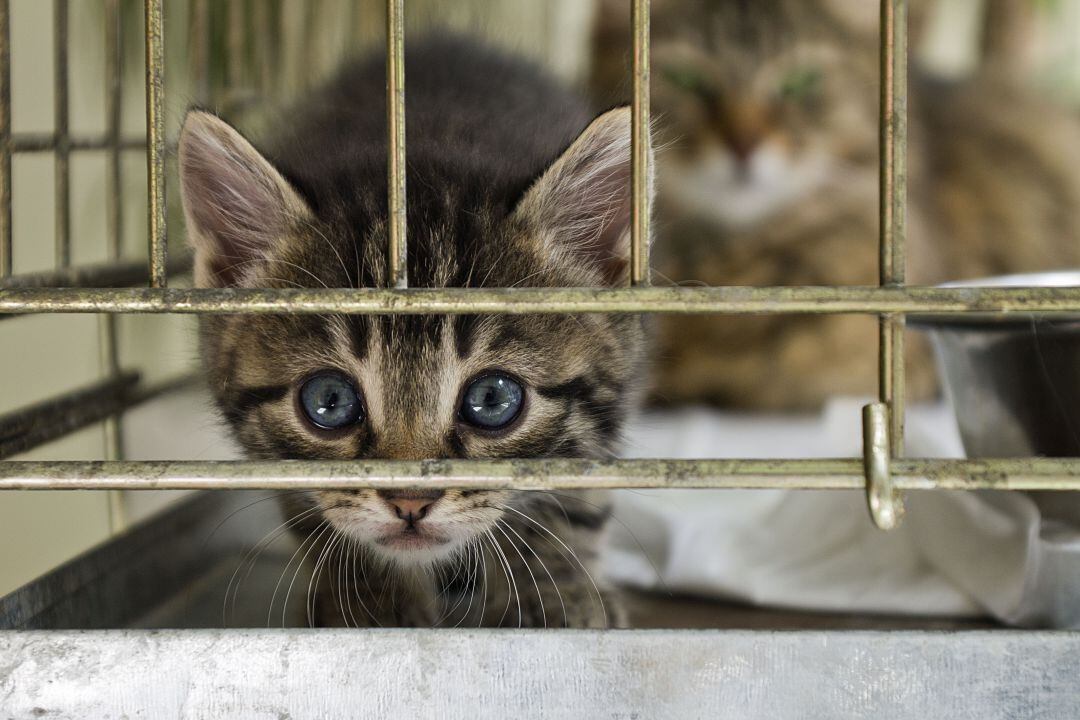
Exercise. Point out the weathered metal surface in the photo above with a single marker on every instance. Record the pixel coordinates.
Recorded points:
(397, 270)
(640, 149)
(839, 474)
(174, 573)
(108, 337)
(155, 145)
(416, 301)
(471, 674)
(886, 507)
(893, 209)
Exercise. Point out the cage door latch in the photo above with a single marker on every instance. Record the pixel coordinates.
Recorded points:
(886, 505)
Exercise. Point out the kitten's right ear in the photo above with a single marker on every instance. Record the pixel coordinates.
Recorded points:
(237, 206)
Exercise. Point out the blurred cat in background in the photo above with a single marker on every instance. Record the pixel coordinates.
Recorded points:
(768, 120)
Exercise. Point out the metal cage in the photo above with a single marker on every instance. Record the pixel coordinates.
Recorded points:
(884, 471)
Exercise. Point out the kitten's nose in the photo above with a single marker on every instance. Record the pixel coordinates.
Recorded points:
(411, 506)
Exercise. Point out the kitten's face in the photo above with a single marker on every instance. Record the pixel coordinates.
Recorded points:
(412, 387)
(761, 103)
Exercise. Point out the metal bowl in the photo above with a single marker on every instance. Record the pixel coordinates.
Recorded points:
(1013, 380)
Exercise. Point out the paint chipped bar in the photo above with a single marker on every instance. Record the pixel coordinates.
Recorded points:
(729, 300)
(545, 474)
(641, 142)
(155, 138)
(397, 250)
(893, 211)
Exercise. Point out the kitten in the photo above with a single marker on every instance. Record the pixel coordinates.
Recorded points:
(769, 110)
(509, 184)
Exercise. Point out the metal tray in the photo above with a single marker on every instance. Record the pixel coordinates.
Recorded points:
(134, 629)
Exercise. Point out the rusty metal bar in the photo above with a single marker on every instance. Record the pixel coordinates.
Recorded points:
(155, 136)
(33, 426)
(5, 139)
(641, 173)
(817, 474)
(61, 132)
(893, 209)
(730, 300)
(397, 249)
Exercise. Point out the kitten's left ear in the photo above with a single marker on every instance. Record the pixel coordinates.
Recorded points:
(580, 206)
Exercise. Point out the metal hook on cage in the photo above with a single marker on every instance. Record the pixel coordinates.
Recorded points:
(886, 504)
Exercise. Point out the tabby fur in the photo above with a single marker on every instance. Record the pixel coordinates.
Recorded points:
(510, 184)
(768, 116)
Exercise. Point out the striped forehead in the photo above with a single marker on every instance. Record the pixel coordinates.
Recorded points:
(406, 366)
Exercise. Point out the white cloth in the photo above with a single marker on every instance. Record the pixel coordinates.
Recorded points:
(956, 553)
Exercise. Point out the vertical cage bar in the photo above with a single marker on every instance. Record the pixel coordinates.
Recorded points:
(5, 138)
(61, 130)
(640, 171)
(397, 267)
(107, 323)
(155, 142)
(893, 199)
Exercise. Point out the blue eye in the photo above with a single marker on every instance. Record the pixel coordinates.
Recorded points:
(492, 402)
(330, 401)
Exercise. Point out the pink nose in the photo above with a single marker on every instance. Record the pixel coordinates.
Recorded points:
(411, 507)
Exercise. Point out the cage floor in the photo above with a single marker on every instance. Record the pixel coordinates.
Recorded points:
(195, 566)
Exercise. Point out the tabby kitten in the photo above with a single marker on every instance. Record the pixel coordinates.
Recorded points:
(510, 185)
(769, 111)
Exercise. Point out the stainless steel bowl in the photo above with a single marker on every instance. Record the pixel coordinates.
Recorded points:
(1013, 380)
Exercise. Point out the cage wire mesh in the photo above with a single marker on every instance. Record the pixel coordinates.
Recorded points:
(245, 57)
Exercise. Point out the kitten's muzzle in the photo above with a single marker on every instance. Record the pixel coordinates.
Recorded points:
(411, 505)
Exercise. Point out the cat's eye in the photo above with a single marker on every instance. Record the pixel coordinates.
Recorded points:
(330, 401)
(492, 401)
(801, 84)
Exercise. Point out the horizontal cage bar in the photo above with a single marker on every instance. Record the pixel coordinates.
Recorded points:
(416, 301)
(539, 474)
